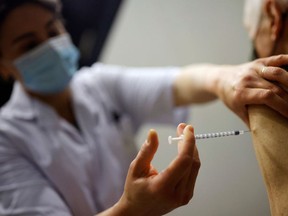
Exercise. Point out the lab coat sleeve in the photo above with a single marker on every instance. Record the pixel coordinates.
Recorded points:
(23, 190)
(144, 93)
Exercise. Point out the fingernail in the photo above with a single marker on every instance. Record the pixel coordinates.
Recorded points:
(149, 137)
(191, 128)
(188, 131)
(182, 125)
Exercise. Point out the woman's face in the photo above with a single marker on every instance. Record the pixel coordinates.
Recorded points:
(25, 28)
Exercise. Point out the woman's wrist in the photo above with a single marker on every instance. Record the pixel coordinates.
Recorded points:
(122, 207)
(213, 80)
(118, 209)
(127, 208)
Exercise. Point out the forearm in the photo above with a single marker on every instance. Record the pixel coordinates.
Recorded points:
(197, 84)
(270, 138)
(236, 85)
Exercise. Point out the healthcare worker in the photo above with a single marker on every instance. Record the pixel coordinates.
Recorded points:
(66, 138)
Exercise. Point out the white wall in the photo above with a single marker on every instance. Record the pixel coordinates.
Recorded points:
(181, 32)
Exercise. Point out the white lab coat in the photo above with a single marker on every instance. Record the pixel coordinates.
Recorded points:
(48, 167)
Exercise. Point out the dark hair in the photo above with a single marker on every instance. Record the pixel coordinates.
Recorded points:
(6, 6)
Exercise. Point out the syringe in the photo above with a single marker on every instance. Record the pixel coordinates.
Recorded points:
(209, 135)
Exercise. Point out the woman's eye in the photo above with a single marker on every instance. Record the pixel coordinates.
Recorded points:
(53, 33)
(29, 46)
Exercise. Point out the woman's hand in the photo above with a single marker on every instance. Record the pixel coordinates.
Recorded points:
(259, 82)
(148, 192)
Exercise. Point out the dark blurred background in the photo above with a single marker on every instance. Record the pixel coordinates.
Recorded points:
(89, 23)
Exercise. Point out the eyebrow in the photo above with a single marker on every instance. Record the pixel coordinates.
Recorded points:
(31, 34)
(22, 37)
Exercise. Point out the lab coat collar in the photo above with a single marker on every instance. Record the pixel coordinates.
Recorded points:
(22, 106)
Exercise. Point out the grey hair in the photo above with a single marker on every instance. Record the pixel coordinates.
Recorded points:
(252, 14)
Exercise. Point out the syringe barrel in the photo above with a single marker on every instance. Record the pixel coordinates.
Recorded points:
(218, 134)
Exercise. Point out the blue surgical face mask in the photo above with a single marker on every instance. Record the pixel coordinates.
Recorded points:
(49, 68)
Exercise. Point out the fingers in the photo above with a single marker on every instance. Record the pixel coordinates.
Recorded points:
(175, 185)
(270, 76)
(173, 174)
(180, 168)
(188, 143)
(180, 130)
(274, 68)
(269, 98)
(261, 91)
(190, 185)
(186, 185)
(277, 61)
(143, 160)
(275, 74)
(278, 104)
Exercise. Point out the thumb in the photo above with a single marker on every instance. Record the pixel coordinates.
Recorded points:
(145, 156)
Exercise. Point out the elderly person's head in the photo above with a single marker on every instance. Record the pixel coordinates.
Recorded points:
(267, 24)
